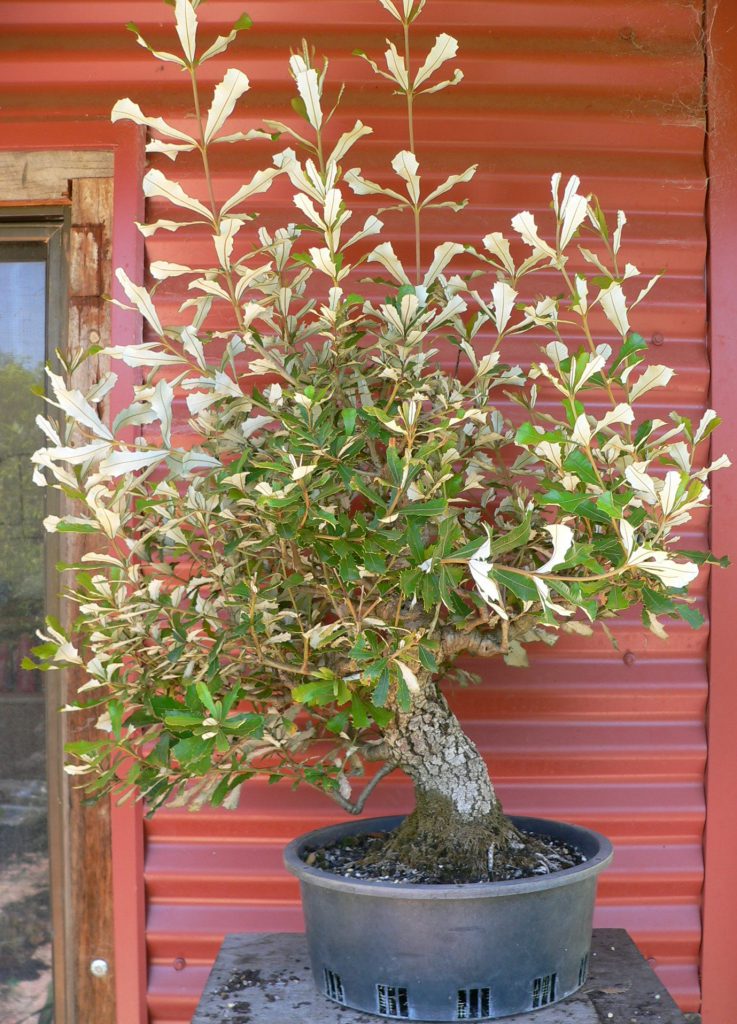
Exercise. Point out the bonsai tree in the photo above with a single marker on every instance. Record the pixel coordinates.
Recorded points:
(285, 574)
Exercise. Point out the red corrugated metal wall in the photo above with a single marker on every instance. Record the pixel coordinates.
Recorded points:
(613, 92)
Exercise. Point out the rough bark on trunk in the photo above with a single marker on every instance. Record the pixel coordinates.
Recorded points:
(458, 826)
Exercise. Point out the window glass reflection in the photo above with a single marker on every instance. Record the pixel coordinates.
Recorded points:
(25, 949)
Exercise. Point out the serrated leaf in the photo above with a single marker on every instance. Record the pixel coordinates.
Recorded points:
(226, 94)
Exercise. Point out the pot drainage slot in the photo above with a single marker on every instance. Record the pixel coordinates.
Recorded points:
(473, 1003)
(543, 990)
(334, 986)
(392, 1001)
(583, 970)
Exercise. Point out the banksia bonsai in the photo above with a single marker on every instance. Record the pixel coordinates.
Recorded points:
(284, 596)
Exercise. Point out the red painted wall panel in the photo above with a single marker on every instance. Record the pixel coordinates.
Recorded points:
(613, 92)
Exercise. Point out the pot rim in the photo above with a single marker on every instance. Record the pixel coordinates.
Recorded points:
(440, 891)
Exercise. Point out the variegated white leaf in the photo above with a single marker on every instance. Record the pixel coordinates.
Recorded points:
(670, 572)
(372, 227)
(323, 261)
(617, 235)
(573, 211)
(146, 354)
(653, 377)
(562, 537)
(480, 567)
(389, 6)
(406, 166)
(193, 346)
(582, 432)
(706, 421)
(305, 204)
(445, 48)
(186, 26)
(224, 239)
(308, 86)
(161, 270)
(411, 680)
(127, 110)
(385, 255)
(641, 482)
(134, 415)
(161, 403)
(498, 246)
(503, 298)
(349, 139)
(219, 46)
(525, 226)
(121, 462)
(614, 305)
(454, 179)
(224, 99)
(397, 67)
(443, 255)
(74, 455)
(75, 405)
(157, 186)
(147, 230)
(260, 182)
(457, 77)
(669, 491)
(140, 298)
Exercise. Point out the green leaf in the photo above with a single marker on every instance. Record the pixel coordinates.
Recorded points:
(374, 562)
(705, 558)
(634, 344)
(575, 504)
(298, 106)
(381, 692)
(427, 658)
(414, 539)
(470, 549)
(528, 434)
(359, 713)
(424, 509)
(349, 420)
(338, 723)
(394, 463)
(62, 527)
(193, 750)
(521, 586)
(657, 603)
(578, 464)
(182, 719)
(516, 538)
(243, 23)
(205, 696)
(382, 716)
(616, 600)
(404, 698)
(690, 615)
(315, 694)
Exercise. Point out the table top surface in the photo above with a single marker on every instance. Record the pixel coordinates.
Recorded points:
(265, 979)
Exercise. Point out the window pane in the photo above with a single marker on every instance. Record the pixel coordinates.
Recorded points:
(25, 950)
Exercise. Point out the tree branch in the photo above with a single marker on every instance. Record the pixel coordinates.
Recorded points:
(483, 643)
(357, 807)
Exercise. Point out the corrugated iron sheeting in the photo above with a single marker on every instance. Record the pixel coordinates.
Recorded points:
(611, 91)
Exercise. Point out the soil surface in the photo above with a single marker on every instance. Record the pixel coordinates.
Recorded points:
(348, 857)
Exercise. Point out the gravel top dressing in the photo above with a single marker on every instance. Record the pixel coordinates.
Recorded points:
(360, 857)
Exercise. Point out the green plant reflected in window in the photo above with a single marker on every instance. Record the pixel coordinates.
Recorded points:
(25, 950)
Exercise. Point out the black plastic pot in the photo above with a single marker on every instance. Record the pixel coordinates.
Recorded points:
(449, 952)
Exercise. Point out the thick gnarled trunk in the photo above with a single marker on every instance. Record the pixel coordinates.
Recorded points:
(458, 826)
